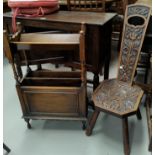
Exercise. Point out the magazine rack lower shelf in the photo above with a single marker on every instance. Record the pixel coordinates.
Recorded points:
(50, 97)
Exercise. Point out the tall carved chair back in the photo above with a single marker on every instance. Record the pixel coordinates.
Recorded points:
(135, 23)
(86, 5)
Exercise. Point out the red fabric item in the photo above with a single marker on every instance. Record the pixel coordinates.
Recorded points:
(32, 3)
(31, 8)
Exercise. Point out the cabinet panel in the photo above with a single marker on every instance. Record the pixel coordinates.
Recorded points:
(60, 101)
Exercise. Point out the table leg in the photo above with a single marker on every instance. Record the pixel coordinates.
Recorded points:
(95, 81)
(106, 68)
(107, 48)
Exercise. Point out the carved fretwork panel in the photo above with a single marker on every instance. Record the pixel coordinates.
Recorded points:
(86, 5)
(139, 10)
(135, 24)
(117, 97)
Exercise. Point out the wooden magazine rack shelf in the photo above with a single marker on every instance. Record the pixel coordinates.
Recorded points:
(48, 94)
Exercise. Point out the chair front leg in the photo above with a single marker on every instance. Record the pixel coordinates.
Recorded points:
(125, 136)
(92, 122)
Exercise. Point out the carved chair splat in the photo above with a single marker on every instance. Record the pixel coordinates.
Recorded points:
(119, 96)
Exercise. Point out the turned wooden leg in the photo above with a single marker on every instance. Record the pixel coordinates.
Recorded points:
(139, 116)
(83, 125)
(28, 123)
(92, 122)
(6, 148)
(95, 81)
(125, 136)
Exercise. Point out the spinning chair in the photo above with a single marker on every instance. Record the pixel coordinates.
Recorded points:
(119, 96)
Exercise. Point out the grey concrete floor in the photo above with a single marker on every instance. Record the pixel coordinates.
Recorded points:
(67, 137)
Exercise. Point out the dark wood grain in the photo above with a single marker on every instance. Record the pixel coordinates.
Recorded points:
(126, 136)
(119, 96)
(92, 122)
(6, 148)
(48, 94)
(89, 5)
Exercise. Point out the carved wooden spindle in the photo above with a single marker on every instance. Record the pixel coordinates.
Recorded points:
(79, 3)
(91, 3)
(86, 5)
(82, 53)
(75, 4)
(68, 5)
